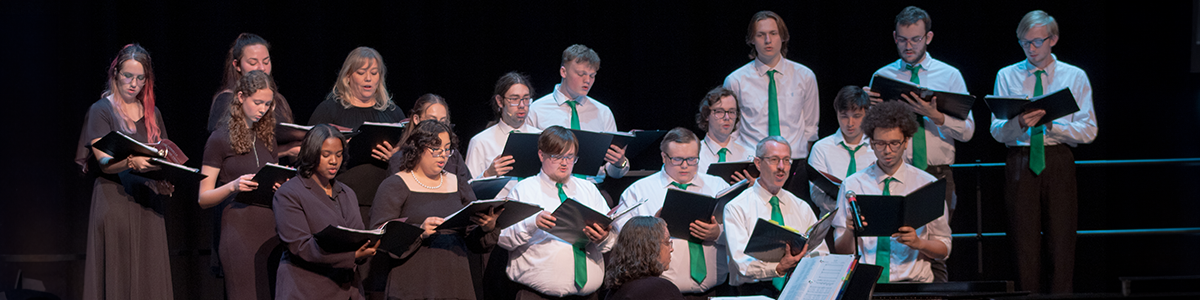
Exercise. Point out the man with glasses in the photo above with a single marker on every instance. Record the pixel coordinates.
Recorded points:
(907, 255)
(766, 200)
(547, 267)
(844, 152)
(511, 104)
(932, 147)
(1040, 192)
(718, 117)
(699, 265)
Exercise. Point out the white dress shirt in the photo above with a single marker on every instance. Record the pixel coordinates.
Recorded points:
(489, 143)
(830, 157)
(543, 261)
(796, 87)
(552, 109)
(737, 152)
(939, 140)
(742, 214)
(1073, 129)
(651, 191)
(906, 263)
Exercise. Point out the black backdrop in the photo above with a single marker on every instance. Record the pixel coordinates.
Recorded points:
(658, 60)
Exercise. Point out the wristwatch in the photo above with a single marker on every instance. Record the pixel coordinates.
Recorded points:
(624, 164)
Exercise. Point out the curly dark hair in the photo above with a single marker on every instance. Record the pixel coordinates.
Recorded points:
(239, 132)
(310, 149)
(713, 98)
(890, 114)
(425, 135)
(635, 255)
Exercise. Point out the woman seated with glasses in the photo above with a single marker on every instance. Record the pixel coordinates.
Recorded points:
(424, 192)
(642, 254)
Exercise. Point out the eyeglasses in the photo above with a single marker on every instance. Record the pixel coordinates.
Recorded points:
(667, 242)
(439, 152)
(776, 160)
(881, 145)
(1037, 43)
(724, 113)
(563, 158)
(914, 40)
(128, 77)
(678, 161)
(515, 102)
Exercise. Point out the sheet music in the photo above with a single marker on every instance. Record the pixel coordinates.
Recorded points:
(818, 278)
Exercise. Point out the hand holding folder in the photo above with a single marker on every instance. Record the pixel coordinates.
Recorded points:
(886, 214)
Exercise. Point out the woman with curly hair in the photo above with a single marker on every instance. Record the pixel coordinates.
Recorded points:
(424, 192)
(642, 254)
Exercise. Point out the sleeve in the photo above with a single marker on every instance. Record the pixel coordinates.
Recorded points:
(389, 202)
(520, 233)
(1080, 127)
(617, 172)
(531, 117)
(737, 234)
(459, 167)
(476, 163)
(597, 202)
(939, 230)
(628, 198)
(811, 110)
(96, 123)
(293, 229)
(218, 114)
(1003, 130)
(215, 149)
(323, 113)
(961, 130)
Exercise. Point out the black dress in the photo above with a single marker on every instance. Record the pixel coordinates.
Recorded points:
(439, 268)
(364, 179)
(247, 232)
(218, 113)
(655, 288)
(127, 256)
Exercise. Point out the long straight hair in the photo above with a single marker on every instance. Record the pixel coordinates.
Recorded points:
(146, 96)
(359, 57)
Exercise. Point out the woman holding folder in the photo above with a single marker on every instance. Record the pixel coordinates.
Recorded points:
(307, 204)
(232, 155)
(127, 239)
(424, 192)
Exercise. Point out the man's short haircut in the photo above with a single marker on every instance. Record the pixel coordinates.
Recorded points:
(713, 98)
(890, 114)
(581, 54)
(851, 98)
(557, 140)
(678, 135)
(1037, 18)
(783, 32)
(910, 15)
(761, 148)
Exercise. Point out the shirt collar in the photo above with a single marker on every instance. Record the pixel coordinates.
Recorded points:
(712, 145)
(1029, 68)
(761, 69)
(505, 128)
(765, 195)
(545, 179)
(877, 175)
(926, 63)
(841, 139)
(665, 180)
(561, 99)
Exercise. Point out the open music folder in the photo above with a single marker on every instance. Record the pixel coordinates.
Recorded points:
(1058, 104)
(885, 215)
(953, 104)
(266, 177)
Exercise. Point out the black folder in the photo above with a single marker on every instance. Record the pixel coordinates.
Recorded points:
(724, 196)
(953, 104)
(816, 234)
(490, 187)
(824, 181)
(885, 215)
(725, 170)
(287, 132)
(396, 235)
(266, 177)
(641, 141)
(1058, 104)
(173, 172)
(514, 211)
(120, 146)
(592, 148)
(768, 239)
(370, 134)
(681, 208)
(572, 217)
(523, 148)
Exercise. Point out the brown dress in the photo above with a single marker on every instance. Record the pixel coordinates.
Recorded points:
(306, 272)
(127, 256)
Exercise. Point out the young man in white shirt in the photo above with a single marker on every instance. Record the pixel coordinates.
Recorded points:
(511, 103)
(719, 117)
(932, 147)
(546, 266)
(844, 152)
(569, 106)
(1040, 187)
(766, 200)
(680, 154)
(905, 256)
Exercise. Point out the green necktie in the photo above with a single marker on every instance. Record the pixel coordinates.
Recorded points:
(777, 216)
(574, 114)
(695, 250)
(883, 256)
(721, 154)
(772, 105)
(920, 156)
(1037, 138)
(580, 256)
(853, 166)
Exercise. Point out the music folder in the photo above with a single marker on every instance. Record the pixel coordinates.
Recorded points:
(288, 132)
(821, 277)
(593, 146)
(640, 142)
(681, 208)
(725, 170)
(396, 235)
(572, 216)
(953, 104)
(120, 146)
(1058, 104)
(884, 215)
(824, 181)
(490, 187)
(370, 134)
(266, 177)
(173, 172)
(514, 211)
(523, 148)
(768, 240)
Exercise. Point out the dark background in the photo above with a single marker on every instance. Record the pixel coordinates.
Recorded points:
(659, 58)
